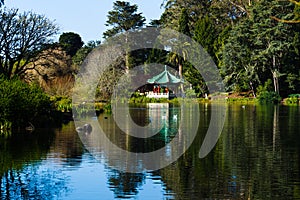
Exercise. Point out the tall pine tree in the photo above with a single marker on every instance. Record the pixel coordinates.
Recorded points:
(122, 18)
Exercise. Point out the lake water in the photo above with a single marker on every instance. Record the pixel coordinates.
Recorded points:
(256, 157)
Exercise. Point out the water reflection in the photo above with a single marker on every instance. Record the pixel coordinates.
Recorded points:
(256, 157)
(131, 154)
(21, 176)
(125, 185)
(67, 148)
(251, 161)
(32, 182)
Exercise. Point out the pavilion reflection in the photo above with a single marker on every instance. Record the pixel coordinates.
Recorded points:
(167, 125)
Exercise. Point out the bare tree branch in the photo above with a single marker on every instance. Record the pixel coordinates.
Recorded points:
(286, 21)
(295, 2)
(22, 37)
(238, 6)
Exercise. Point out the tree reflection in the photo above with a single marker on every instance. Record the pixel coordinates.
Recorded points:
(23, 157)
(257, 157)
(32, 182)
(123, 184)
(21, 149)
(67, 146)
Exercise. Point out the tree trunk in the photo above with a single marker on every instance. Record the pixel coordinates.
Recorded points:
(251, 85)
(180, 76)
(127, 62)
(126, 54)
(276, 83)
(275, 76)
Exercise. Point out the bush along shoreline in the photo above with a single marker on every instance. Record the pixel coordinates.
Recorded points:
(23, 106)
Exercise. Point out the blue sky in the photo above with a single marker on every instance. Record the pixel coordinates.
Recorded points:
(87, 18)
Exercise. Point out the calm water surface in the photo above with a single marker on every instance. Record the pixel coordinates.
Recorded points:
(256, 157)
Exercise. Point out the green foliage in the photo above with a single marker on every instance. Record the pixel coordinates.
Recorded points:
(107, 108)
(190, 93)
(62, 103)
(70, 42)
(21, 103)
(184, 23)
(82, 53)
(259, 47)
(242, 101)
(195, 9)
(293, 99)
(294, 95)
(123, 17)
(293, 81)
(265, 88)
(84, 108)
(265, 93)
(144, 99)
(220, 43)
(205, 34)
(269, 97)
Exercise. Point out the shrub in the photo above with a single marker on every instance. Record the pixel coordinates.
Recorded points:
(20, 103)
(62, 103)
(265, 95)
(269, 97)
(293, 99)
(190, 93)
(264, 88)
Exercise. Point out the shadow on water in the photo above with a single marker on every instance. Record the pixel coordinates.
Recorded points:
(20, 155)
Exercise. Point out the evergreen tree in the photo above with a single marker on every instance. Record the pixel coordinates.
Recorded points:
(178, 56)
(82, 53)
(123, 17)
(258, 47)
(220, 43)
(205, 34)
(184, 23)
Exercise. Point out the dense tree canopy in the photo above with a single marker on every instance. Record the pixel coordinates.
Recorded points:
(21, 103)
(82, 53)
(248, 40)
(260, 48)
(70, 42)
(123, 17)
(205, 34)
(251, 41)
